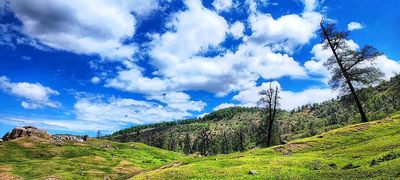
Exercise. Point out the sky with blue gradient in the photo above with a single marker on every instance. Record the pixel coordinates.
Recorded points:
(81, 66)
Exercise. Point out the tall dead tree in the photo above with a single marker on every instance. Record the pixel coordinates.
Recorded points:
(348, 65)
(269, 100)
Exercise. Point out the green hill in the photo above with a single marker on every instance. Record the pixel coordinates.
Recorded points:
(363, 151)
(228, 125)
(367, 150)
(36, 157)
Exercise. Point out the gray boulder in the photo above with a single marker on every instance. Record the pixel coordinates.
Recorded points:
(252, 172)
(19, 132)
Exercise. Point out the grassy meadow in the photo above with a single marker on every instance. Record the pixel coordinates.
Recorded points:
(362, 151)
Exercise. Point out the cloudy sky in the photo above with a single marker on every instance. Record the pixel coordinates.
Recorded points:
(74, 66)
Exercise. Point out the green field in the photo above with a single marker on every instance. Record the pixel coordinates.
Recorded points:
(361, 151)
(344, 153)
(95, 159)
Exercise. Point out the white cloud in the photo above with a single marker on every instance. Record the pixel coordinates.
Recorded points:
(254, 4)
(197, 29)
(269, 65)
(140, 7)
(202, 115)
(310, 5)
(96, 112)
(95, 80)
(179, 100)
(354, 26)
(250, 96)
(289, 99)
(176, 56)
(132, 111)
(60, 124)
(285, 32)
(388, 66)
(223, 106)
(222, 5)
(237, 29)
(83, 27)
(34, 95)
(132, 80)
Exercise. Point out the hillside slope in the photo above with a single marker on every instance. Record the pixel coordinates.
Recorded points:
(226, 125)
(36, 157)
(368, 150)
(361, 151)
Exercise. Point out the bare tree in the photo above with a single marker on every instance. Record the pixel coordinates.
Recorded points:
(349, 68)
(269, 100)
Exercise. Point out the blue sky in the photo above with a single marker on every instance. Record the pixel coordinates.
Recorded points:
(82, 66)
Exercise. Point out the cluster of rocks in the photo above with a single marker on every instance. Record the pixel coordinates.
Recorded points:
(22, 132)
(60, 138)
(27, 131)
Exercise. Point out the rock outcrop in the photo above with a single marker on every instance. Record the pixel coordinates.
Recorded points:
(65, 137)
(22, 132)
(27, 131)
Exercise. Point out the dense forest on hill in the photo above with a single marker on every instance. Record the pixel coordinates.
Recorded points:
(241, 128)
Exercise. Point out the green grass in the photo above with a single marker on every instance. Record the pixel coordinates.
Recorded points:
(28, 159)
(344, 153)
(324, 156)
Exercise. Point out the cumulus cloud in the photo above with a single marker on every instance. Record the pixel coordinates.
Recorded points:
(223, 106)
(140, 7)
(108, 113)
(310, 5)
(179, 64)
(222, 5)
(95, 80)
(124, 110)
(237, 29)
(34, 95)
(60, 124)
(388, 66)
(132, 80)
(354, 26)
(179, 100)
(289, 100)
(285, 32)
(197, 29)
(83, 27)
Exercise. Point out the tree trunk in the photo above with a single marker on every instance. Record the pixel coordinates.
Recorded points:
(352, 90)
(272, 116)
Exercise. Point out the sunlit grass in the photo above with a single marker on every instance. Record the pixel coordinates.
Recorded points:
(324, 156)
(344, 153)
